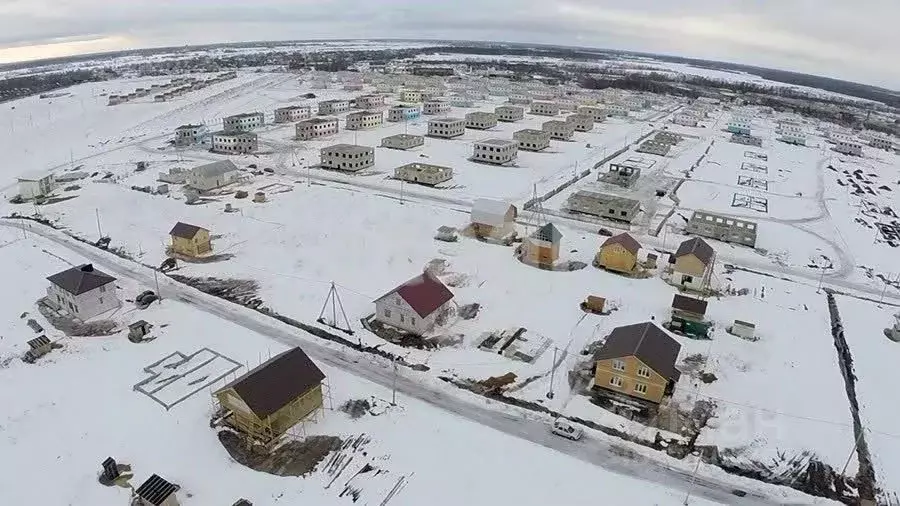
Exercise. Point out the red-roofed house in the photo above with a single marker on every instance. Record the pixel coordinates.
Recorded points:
(414, 306)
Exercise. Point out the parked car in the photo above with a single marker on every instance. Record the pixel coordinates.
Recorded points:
(562, 427)
(605, 233)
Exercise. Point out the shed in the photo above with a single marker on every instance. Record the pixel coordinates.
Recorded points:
(744, 329)
(35, 184)
(493, 218)
(156, 492)
(39, 346)
(594, 304)
(689, 307)
(137, 330)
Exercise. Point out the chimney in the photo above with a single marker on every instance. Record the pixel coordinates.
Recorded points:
(87, 268)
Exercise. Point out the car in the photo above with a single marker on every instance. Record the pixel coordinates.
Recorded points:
(562, 427)
(605, 233)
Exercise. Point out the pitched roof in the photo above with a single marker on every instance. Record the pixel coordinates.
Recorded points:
(185, 230)
(424, 293)
(548, 233)
(624, 240)
(215, 168)
(276, 382)
(155, 490)
(490, 212)
(698, 247)
(649, 343)
(80, 279)
(689, 304)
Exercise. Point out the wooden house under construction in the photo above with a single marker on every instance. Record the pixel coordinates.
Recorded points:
(276, 395)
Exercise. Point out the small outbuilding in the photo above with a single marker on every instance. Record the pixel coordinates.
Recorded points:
(190, 240)
(494, 219)
(39, 346)
(744, 330)
(156, 492)
(35, 184)
(619, 253)
(137, 331)
(688, 316)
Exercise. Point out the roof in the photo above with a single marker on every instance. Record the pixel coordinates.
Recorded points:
(496, 142)
(215, 168)
(445, 120)
(155, 490)
(80, 279)
(361, 114)
(689, 304)
(490, 212)
(185, 230)
(39, 341)
(347, 148)
(424, 293)
(698, 247)
(276, 382)
(624, 240)
(649, 343)
(548, 233)
(34, 175)
(403, 136)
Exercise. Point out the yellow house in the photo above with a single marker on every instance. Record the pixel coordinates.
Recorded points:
(542, 247)
(619, 253)
(693, 264)
(274, 396)
(636, 367)
(190, 240)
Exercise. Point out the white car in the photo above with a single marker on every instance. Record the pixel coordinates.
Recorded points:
(562, 427)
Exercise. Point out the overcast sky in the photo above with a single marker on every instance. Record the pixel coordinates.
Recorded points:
(851, 39)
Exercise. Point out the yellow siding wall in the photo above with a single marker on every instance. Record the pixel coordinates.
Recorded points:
(290, 415)
(690, 264)
(656, 384)
(230, 400)
(192, 247)
(617, 258)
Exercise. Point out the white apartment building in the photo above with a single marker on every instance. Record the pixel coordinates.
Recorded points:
(617, 109)
(189, 135)
(880, 141)
(462, 101)
(402, 141)
(435, 108)
(793, 133)
(559, 130)
(399, 113)
(509, 113)
(243, 122)
(292, 113)
(348, 157)
(496, 151)
(316, 127)
(364, 120)
(370, 101)
(582, 122)
(530, 139)
(481, 120)
(597, 113)
(411, 96)
(234, 142)
(684, 119)
(740, 125)
(543, 95)
(519, 99)
(849, 147)
(545, 108)
(446, 128)
(329, 107)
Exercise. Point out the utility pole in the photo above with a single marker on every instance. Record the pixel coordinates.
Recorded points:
(552, 373)
(401, 192)
(855, 446)
(394, 383)
(687, 497)
(821, 277)
(156, 280)
(99, 230)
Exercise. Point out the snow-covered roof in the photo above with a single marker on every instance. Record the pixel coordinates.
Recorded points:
(215, 168)
(490, 212)
(34, 175)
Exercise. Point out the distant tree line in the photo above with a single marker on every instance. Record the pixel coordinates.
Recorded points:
(12, 88)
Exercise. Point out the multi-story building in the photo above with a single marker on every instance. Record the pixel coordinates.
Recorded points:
(849, 147)
(654, 147)
(423, 173)
(627, 172)
(597, 113)
(545, 108)
(404, 113)
(330, 107)
(793, 133)
(509, 113)
(292, 113)
(519, 99)
(402, 141)
(364, 120)
(189, 135)
(370, 101)
(603, 205)
(316, 127)
(348, 157)
(582, 122)
(723, 228)
(747, 140)
(685, 119)
(616, 109)
(234, 142)
(880, 141)
(243, 122)
(481, 120)
(740, 125)
(559, 130)
(530, 139)
(435, 108)
(447, 128)
(462, 101)
(411, 96)
(496, 151)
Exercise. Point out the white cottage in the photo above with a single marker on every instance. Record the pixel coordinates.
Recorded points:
(213, 175)
(493, 218)
(35, 184)
(83, 292)
(415, 306)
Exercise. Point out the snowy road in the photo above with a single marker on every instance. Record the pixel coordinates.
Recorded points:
(596, 451)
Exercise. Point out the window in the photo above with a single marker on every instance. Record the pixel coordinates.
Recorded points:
(618, 365)
(401, 318)
(412, 321)
(616, 381)
(643, 372)
(387, 313)
(640, 388)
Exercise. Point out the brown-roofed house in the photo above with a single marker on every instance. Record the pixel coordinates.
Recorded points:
(415, 306)
(190, 240)
(693, 265)
(636, 366)
(688, 315)
(274, 396)
(619, 253)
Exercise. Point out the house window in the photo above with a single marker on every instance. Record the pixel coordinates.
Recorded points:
(387, 313)
(412, 321)
(616, 381)
(687, 279)
(618, 365)
(643, 372)
(401, 318)
(640, 388)
(100, 299)
(102, 289)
